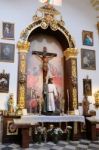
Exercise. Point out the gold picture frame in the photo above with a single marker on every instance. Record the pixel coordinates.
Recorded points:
(87, 38)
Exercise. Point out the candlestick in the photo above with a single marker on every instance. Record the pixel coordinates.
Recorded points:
(68, 99)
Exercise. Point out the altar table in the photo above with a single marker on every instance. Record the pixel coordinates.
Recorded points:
(62, 118)
(26, 121)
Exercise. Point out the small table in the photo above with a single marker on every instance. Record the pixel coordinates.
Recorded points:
(91, 127)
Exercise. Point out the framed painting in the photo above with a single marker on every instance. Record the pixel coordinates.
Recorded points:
(88, 60)
(7, 52)
(4, 82)
(87, 87)
(87, 38)
(8, 30)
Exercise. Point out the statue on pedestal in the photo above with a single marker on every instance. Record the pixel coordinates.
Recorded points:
(11, 104)
(85, 105)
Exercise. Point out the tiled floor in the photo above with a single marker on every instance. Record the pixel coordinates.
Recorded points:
(61, 145)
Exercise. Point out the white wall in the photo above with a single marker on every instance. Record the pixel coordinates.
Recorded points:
(77, 14)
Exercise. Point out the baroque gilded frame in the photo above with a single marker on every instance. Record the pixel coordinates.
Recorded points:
(43, 23)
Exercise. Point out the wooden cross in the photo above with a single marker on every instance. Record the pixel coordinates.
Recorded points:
(45, 56)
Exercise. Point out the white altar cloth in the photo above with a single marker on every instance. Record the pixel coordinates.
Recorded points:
(44, 118)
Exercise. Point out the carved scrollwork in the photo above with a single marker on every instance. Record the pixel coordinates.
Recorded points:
(44, 24)
(54, 25)
(22, 78)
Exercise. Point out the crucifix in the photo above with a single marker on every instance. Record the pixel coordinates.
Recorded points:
(45, 57)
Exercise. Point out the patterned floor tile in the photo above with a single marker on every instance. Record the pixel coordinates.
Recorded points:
(70, 147)
(61, 145)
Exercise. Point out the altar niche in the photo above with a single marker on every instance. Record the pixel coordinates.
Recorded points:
(44, 62)
(47, 25)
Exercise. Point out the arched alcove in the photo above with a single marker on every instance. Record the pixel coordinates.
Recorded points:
(48, 25)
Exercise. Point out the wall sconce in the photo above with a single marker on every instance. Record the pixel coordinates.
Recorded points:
(96, 95)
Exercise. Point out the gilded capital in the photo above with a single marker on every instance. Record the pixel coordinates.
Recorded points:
(23, 46)
(70, 53)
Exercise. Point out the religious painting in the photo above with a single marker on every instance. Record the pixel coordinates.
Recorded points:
(87, 38)
(8, 30)
(11, 129)
(87, 87)
(4, 82)
(88, 60)
(7, 52)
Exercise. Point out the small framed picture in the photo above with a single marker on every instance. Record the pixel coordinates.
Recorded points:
(4, 82)
(87, 38)
(88, 60)
(8, 30)
(87, 87)
(7, 52)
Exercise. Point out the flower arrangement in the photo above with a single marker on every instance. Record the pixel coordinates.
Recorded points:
(54, 134)
(40, 134)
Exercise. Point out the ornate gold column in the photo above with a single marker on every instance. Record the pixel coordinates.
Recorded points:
(23, 47)
(71, 75)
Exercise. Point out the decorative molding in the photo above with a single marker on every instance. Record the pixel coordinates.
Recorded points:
(70, 53)
(49, 17)
(23, 46)
(95, 4)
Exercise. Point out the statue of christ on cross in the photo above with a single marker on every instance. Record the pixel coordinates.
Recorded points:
(45, 57)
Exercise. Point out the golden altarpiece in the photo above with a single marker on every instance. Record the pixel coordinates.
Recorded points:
(48, 23)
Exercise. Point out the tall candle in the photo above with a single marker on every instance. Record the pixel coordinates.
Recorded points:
(68, 99)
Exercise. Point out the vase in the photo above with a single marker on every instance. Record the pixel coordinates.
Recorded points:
(55, 139)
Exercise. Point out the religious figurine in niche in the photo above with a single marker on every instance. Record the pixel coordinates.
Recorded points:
(52, 95)
(33, 103)
(85, 105)
(11, 104)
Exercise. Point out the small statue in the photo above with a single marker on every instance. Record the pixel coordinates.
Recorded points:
(85, 105)
(11, 104)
